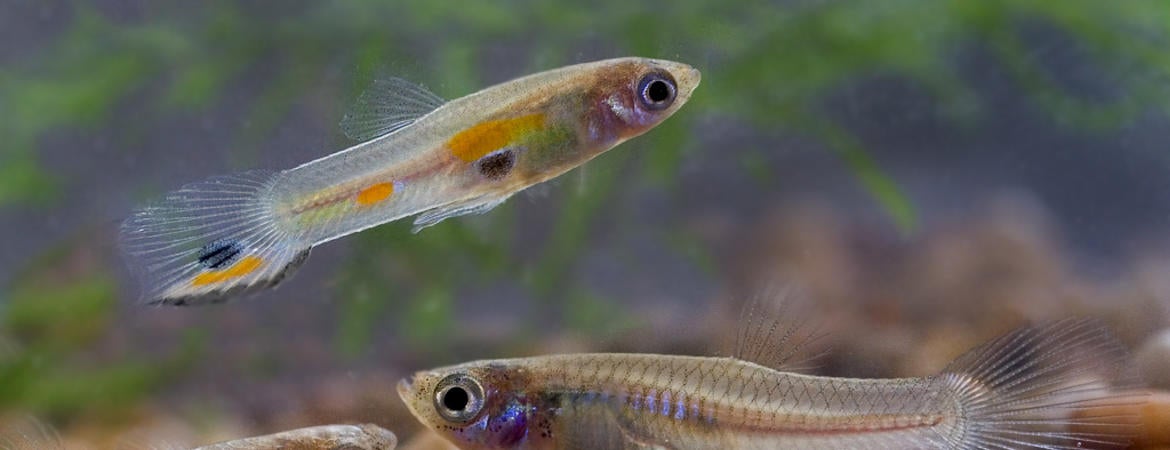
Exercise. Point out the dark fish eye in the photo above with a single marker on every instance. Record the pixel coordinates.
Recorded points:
(458, 398)
(657, 90)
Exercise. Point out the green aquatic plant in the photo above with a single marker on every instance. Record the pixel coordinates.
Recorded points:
(53, 318)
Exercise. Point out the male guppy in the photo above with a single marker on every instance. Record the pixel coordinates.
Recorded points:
(422, 155)
(1033, 388)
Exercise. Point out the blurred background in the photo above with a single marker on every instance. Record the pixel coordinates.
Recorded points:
(930, 173)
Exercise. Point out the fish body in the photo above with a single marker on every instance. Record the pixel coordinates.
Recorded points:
(421, 156)
(1019, 391)
(323, 437)
(31, 434)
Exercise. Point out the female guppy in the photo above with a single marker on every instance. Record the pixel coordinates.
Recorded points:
(1027, 389)
(31, 434)
(424, 156)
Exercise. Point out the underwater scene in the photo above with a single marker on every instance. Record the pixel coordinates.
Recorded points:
(903, 224)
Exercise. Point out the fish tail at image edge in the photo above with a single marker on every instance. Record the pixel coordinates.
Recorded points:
(1031, 388)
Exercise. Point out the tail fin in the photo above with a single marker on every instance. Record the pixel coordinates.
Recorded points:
(1038, 388)
(211, 240)
(28, 433)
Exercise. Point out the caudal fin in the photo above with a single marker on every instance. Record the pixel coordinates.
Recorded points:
(210, 241)
(28, 433)
(1039, 388)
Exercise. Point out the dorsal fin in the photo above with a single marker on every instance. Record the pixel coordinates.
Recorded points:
(774, 331)
(387, 106)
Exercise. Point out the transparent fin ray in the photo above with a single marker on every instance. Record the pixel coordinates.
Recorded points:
(477, 205)
(774, 331)
(28, 433)
(388, 105)
(210, 240)
(608, 427)
(1037, 387)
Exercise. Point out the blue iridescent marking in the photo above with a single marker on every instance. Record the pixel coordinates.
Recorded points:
(680, 412)
(694, 410)
(637, 402)
(666, 403)
(652, 400)
(511, 425)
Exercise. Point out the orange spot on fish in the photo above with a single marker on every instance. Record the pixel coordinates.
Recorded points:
(242, 267)
(471, 144)
(375, 194)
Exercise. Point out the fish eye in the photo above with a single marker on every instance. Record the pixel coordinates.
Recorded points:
(458, 398)
(657, 90)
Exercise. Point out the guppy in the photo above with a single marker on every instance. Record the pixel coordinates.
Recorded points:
(323, 437)
(1028, 389)
(30, 434)
(230, 234)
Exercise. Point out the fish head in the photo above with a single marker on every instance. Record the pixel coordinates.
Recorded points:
(475, 406)
(628, 96)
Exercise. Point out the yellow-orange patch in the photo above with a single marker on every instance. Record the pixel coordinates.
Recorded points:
(242, 267)
(375, 194)
(472, 143)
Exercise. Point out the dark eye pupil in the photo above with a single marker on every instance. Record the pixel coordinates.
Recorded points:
(456, 399)
(658, 91)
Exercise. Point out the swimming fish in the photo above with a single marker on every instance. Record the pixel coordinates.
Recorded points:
(323, 437)
(421, 156)
(32, 434)
(1031, 388)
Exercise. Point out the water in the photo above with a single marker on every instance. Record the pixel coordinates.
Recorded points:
(977, 165)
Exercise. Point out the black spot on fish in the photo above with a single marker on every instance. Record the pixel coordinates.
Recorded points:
(220, 253)
(497, 165)
(223, 296)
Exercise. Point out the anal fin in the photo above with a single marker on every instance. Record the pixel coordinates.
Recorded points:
(476, 205)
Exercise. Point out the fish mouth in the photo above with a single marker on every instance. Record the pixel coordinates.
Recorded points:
(405, 387)
(406, 392)
(692, 75)
(691, 78)
(686, 77)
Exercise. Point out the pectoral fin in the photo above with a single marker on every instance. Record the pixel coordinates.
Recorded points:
(607, 428)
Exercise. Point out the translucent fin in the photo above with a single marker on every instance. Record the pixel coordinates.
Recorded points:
(774, 331)
(28, 433)
(350, 437)
(211, 240)
(604, 427)
(388, 105)
(1037, 387)
(477, 205)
